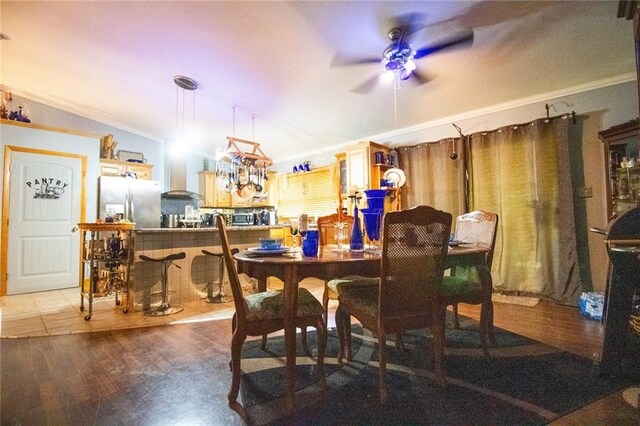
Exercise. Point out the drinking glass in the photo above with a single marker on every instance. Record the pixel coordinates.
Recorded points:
(293, 227)
(372, 221)
(340, 233)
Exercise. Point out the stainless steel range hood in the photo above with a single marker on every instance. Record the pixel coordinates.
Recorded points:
(180, 194)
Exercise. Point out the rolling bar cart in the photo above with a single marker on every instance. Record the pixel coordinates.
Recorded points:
(106, 249)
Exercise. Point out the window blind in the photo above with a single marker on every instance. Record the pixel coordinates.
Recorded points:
(313, 193)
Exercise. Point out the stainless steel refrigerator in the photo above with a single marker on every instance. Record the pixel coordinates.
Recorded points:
(135, 199)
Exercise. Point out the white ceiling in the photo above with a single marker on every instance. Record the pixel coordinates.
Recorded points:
(115, 61)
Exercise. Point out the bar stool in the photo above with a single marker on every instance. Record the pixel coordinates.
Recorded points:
(164, 308)
(220, 297)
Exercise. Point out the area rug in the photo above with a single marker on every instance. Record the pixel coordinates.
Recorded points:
(522, 382)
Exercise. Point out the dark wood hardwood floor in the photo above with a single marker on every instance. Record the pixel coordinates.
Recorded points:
(62, 379)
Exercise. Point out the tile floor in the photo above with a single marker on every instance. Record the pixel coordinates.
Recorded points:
(58, 312)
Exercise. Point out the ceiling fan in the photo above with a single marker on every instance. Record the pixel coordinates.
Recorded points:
(398, 58)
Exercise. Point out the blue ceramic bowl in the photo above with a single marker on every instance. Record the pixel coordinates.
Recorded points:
(270, 243)
(375, 193)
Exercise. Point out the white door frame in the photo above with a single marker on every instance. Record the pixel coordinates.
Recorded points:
(6, 195)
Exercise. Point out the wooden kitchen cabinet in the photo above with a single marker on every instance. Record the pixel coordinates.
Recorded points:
(121, 168)
(208, 187)
(358, 171)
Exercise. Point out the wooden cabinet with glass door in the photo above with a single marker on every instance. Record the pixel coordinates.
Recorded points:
(622, 168)
(362, 166)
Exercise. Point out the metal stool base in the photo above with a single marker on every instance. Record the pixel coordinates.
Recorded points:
(218, 298)
(164, 310)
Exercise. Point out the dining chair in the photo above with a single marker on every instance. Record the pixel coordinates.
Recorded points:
(463, 285)
(327, 236)
(414, 247)
(262, 313)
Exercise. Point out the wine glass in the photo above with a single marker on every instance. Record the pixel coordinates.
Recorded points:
(340, 233)
(372, 221)
(293, 227)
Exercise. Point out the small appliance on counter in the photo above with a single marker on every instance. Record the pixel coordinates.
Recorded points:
(242, 219)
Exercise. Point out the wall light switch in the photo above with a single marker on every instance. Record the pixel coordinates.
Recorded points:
(585, 192)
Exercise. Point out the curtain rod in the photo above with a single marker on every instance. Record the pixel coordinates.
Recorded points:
(573, 114)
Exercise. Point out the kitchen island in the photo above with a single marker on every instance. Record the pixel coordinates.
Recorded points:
(189, 282)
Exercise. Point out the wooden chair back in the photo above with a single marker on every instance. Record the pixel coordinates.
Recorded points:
(414, 247)
(232, 272)
(478, 227)
(327, 231)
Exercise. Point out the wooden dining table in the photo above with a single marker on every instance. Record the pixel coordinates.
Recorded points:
(332, 263)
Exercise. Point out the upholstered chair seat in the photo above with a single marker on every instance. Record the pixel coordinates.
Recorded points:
(270, 305)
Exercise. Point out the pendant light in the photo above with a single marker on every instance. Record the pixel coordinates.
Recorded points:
(185, 133)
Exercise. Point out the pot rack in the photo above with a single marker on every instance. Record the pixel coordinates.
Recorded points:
(255, 156)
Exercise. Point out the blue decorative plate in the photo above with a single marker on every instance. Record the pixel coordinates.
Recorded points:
(266, 252)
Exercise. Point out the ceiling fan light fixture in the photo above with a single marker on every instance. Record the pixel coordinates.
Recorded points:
(387, 76)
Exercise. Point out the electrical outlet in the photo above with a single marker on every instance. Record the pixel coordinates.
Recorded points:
(585, 192)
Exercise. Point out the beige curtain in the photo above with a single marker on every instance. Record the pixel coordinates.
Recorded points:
(522, 173)
(433, 178)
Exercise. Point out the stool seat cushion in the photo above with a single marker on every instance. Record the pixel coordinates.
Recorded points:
(270, 305)
(339, 285)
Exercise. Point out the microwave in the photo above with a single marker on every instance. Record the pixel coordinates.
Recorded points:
(242, 219)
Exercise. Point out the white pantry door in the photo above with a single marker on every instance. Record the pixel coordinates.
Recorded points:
(45, 206)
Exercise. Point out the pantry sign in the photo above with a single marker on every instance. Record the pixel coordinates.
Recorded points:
(47, 187)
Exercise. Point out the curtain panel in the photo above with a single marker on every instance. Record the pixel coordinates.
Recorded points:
(433, 178)
(522, 173)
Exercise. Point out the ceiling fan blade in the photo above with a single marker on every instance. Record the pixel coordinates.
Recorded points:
(408, 23)
(341, 61)
(458, 40)
(418, 78)
(367, 86)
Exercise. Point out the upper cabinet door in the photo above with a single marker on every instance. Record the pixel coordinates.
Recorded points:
(357, 169)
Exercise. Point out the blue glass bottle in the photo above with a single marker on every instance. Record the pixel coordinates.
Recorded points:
(357, 241)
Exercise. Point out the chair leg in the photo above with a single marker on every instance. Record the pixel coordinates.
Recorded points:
(484, 328)
(236, 348)
(321, 331)
(303, 337)
(400, 342)
(382, 373)
(263, 344)
(325, 304)
(437, 328)
(346, 324)
(340, 330)
(456, 319)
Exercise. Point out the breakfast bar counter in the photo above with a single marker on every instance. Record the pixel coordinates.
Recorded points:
(189, 281)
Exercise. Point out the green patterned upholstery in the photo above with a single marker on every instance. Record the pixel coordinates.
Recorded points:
(270, 305)
(363, 299)
(338, 285)
(460, 288)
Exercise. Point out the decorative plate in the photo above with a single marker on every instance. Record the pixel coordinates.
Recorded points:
(396, 176)
(267, 252)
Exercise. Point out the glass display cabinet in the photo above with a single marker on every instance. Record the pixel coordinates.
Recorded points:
(622, 168)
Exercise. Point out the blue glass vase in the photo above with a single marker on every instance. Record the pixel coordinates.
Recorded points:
(357, 240)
